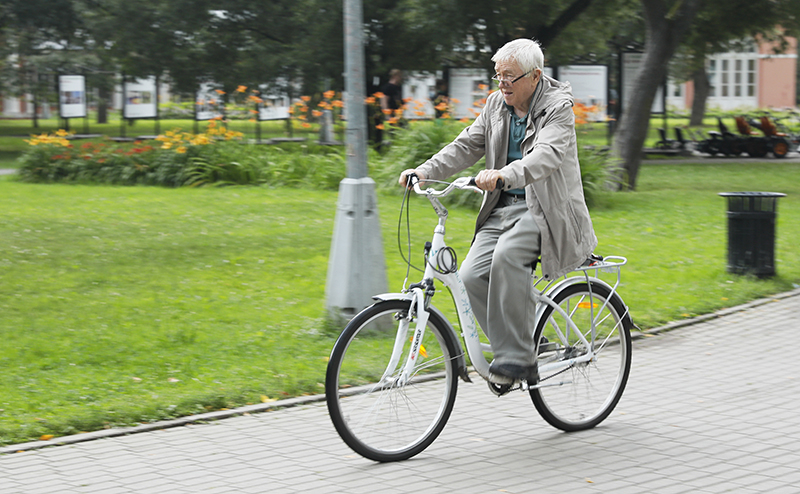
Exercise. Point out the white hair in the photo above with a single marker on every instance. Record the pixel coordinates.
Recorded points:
(527, 53)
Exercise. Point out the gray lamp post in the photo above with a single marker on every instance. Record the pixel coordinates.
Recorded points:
(356, 267)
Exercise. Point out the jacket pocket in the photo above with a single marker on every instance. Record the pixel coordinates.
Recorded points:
(573, 217)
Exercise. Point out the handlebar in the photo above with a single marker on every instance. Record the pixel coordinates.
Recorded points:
(462, 183)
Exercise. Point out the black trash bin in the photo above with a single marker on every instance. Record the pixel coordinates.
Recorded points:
(751, 232)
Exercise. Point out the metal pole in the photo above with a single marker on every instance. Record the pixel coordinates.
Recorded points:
(354, 110)
(356, 266)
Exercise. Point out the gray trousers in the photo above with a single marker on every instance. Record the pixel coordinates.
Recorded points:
(497, 275)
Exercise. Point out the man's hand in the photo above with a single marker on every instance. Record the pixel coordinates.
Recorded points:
(404, 176)
(487, 179)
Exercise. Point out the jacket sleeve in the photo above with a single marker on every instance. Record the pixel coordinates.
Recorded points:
(553, 140)
(462, 153)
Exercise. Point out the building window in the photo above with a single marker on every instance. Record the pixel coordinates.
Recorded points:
(737, 79)
(751, 77)
(712, 78)
(724, 92)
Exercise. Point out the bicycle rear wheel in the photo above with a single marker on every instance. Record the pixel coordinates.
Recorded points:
(375, 413)
(582, 395)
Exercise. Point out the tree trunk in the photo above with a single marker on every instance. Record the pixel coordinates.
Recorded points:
(102, 105)
(701, 90)
(666, 27)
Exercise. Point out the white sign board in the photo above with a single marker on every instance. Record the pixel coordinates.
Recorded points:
(419, 87)
(631, 65)
(209, 103)
(589, 87)
(468, 89)
(141, 98)
(72, 96)
(273, 108)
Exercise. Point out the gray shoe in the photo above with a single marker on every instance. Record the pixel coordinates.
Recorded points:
(529, 373)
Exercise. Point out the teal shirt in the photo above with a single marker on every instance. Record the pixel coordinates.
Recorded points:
(516, 134)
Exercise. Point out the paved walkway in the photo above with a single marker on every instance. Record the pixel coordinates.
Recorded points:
(710, 407)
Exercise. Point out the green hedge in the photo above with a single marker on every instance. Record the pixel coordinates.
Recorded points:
(221, 157)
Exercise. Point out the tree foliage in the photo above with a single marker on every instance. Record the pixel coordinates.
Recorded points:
(249, 42)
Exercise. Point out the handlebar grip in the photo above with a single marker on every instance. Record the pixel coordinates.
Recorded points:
(498, 185)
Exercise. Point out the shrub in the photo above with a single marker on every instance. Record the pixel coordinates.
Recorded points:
(216, 157)
(413, 145)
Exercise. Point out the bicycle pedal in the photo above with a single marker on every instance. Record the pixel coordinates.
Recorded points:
(501, 389)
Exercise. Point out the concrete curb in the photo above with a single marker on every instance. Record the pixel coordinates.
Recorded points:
(303, 400)
(165, 424)
(720, 313)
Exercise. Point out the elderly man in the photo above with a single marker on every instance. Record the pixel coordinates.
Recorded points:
(526, 131)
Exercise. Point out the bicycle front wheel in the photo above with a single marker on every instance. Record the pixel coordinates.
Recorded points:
(581, 395)
(380, 411)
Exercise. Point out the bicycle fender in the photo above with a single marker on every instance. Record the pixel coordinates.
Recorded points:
(393, 296)
(450, 335)
(574, 280)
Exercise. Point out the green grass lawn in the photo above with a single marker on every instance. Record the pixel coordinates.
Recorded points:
(128, 304)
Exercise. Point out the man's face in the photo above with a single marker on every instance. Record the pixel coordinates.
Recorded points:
(518, 94)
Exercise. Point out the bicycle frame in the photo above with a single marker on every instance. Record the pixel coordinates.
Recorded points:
(421, 293)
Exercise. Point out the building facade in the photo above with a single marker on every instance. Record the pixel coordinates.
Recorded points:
(756, 77)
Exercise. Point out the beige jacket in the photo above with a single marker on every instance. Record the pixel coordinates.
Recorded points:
(549, 171)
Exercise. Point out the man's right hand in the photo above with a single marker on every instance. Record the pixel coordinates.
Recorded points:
(404, 176)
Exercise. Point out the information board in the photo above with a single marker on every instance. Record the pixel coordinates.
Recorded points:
(140, 98)
(72, 96)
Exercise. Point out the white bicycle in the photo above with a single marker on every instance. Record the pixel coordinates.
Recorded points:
(393, 372)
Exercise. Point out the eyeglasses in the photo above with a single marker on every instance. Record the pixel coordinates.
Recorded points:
(501, 80)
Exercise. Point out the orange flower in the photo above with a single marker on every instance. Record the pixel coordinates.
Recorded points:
(379, 126)
(219, 91)
(387, 111)
(305, 125)
(329, 94)
(337, 104)
(370, 100)
(305, 98)
(316, 113)
(379, 95)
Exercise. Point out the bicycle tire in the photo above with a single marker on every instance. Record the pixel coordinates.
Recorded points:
(382, 419)
(582, 396)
